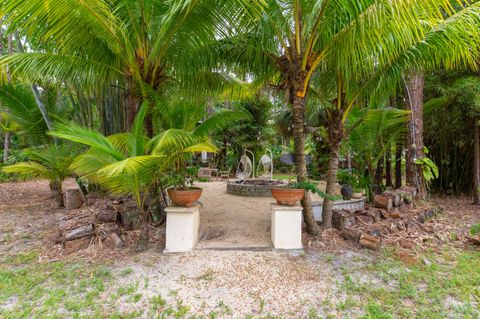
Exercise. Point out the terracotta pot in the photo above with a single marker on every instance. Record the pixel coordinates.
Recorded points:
(286, 196)
(184, 198)
(357, 195)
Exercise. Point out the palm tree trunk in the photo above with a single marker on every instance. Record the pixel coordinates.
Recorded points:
(298, 105)
(476, 164)
(6, 146)
(414, 85)
(335, 137)
(398, 166)
(132, 103)
(388, 169)
(143, 238)
(59, 194)
(378, 179)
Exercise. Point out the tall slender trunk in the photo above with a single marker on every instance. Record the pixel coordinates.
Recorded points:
(378, 179)
(36, 94)
(144, 235)
(415, 83)
(298, 105)
(335, 137)
(476, 163)
(398, 166)
(6, 146)
(132, 102)
(388, 169)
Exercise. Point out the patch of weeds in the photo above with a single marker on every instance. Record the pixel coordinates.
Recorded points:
(126, 272)
(418, 290)
(127, 289)
(207, 275)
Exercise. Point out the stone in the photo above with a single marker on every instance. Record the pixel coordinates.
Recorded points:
(182, 228)
(286, 227)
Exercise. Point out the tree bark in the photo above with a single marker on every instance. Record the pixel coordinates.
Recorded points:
(378, 179)
(132, 102)
(143, 238)
(298, 105)
(476, 163)
(398, 166)
(335, 137)
(59, 194)
(6, 146)
(388, 169)
(415, 83)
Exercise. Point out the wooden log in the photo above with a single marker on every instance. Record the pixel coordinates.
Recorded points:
(77, 244)
(130, 220)
(382, 201)
(365, 219)
(75, 222)
(351, 234)
(370, 242)
(73, 198)
(82, 231)
(395, 196)
(342, 219)
(106, 216)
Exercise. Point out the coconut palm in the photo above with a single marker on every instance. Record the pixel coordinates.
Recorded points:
(51, 162)
(131, 163)
(295, 41)
(123, 43)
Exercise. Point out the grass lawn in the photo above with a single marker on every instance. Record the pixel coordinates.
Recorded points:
(433, 286)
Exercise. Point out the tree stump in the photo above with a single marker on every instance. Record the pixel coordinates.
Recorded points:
(395, 196)
(342, 219)
(382, 201)
(73, 198)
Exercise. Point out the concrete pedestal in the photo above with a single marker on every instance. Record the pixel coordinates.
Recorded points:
(182, 228)
(287, 227)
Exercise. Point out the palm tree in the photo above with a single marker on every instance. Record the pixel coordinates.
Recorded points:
(135, 44)
(131, 163)
(51, 162)
(295, 41)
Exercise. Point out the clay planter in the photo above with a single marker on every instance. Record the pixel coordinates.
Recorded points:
(287, 196)
(357, 195)
(184, 198)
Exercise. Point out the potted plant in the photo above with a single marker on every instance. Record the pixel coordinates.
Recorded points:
(289, 195)
(182, 192)
(357, 192)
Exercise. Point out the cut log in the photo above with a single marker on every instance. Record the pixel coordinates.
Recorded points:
(75, 222)
(73, 198)
(395, 196)
(130, 220)
(117, 240)
(351, 234)
(370, 242)
(342, 218)
(382, 201)
(77, 244)
(106, 216)
(82, 231)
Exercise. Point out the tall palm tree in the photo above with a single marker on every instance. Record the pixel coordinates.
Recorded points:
(295, 41)
(123, 42)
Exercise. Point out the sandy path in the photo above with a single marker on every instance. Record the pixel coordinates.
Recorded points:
(229, 221)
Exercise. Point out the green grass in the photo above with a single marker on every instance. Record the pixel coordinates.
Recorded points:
(284, 176)
(435, 286)
(445, 286)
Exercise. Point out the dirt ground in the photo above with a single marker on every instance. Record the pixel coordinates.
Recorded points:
(242, 283)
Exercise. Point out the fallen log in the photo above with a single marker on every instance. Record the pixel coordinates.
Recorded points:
(106, 216)
(82, 231)
(351, 234)
(395, 196)
(369, 241)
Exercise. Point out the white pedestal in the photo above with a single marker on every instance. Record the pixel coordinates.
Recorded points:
(182, 228)
(287, 227)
